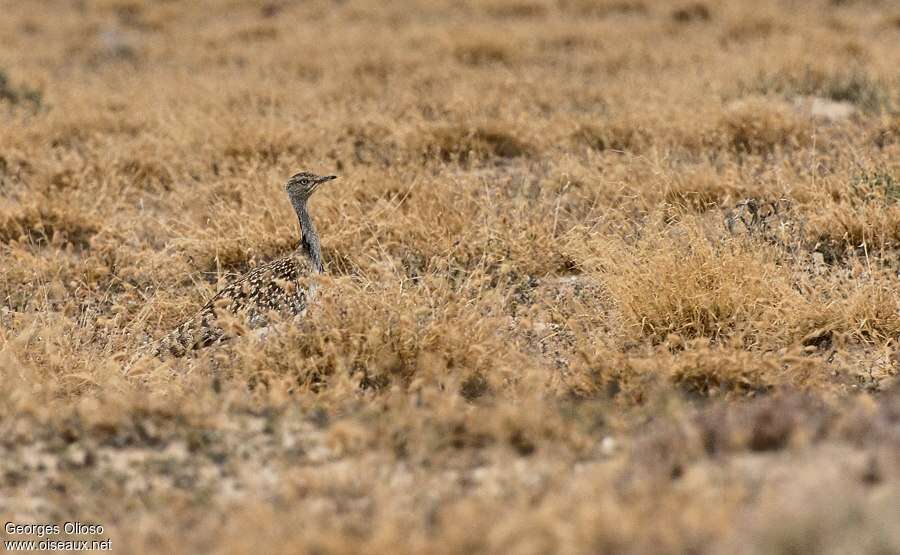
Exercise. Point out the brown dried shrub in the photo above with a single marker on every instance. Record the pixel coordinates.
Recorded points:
(759, 127)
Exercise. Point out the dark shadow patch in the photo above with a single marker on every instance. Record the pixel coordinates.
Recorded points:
(21, 95)
(613, 137)
(258, 33)
(692, 13)
(512, 9)
(269, 152)
(147, 175)
(483, 53)
(698, 382)
(462, 436)
(751, 29)
(462, 144)
(367, 145)
(44, 227)
(608, 8)
(474, 387)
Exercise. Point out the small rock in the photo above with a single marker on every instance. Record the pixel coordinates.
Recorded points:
(831, 110)
(608, 445)
(78, 456)
(114, 44)
(824, 108)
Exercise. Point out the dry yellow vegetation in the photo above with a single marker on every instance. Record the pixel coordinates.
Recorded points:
(537, 334)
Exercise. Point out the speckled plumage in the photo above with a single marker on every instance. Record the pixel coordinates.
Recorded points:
(282, 287)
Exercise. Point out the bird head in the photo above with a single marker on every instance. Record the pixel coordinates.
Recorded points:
(302, 185)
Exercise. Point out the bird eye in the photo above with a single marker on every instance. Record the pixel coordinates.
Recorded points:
(304, 182)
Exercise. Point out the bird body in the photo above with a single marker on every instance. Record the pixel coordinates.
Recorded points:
(282, 288)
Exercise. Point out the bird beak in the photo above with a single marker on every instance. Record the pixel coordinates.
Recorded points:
(327, 178)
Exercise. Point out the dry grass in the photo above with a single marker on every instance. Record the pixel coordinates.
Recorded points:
(536, 334)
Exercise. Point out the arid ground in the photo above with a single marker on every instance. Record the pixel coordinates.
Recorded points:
(614, 276)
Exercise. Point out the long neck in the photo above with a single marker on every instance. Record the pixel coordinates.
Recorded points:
(309, 242)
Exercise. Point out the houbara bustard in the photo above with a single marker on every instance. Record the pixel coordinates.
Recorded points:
(284, 286)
